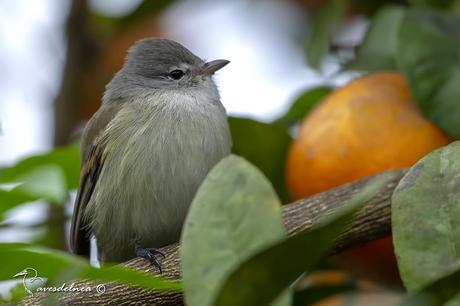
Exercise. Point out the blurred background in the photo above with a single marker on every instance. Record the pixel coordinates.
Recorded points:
(265, 40)
(286, 55)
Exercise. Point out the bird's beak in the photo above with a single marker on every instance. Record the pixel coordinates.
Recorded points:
(211, 67)
(20, 274)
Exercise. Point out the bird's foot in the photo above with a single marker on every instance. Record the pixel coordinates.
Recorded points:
(149, 254)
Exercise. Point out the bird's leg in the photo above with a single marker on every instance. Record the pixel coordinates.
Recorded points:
(149, 254)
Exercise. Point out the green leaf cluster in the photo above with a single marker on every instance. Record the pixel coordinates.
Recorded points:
(237, 261)
(233, 246)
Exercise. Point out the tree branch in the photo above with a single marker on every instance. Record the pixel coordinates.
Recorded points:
(372, 222)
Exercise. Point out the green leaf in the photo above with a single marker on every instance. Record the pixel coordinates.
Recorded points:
(264, 145)
(265, 275)
(284, 299)
(59, 267)
(131, 277)
(44, 182)
(65, 158)
(425, 210)
(442, 292)
(325, 24)
(12, 198)
(303, 105)
(234, 214)
(455, 8)
(429, 55)
(378, 49)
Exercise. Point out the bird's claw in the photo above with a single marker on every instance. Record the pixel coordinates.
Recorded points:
(149, 254)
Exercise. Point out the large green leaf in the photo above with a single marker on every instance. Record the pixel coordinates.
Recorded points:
(442, 292)
(234, 214)
(428, 54)
(325, 23)
(303, 105)
(425, 217)
(59, 267)
(265, 275)
(263, 144)
(378, 49)
(67, 159)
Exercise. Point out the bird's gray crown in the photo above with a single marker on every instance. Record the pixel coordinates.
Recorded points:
(153, 57)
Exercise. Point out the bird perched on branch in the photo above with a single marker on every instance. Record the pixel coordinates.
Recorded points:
(145, 152)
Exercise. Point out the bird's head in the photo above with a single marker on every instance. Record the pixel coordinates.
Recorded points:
(155, 64)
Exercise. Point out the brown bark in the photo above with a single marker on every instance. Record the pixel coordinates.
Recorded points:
(78, 60)
(372, 222)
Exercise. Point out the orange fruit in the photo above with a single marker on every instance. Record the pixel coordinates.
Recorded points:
(365, 127)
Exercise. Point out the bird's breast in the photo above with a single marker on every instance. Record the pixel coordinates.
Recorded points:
(157, 156)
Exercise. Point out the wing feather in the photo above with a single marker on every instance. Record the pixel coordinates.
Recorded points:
(93, 152)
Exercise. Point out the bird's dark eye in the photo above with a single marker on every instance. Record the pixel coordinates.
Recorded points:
(176, 74)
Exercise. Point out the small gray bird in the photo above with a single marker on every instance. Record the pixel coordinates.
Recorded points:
(145, 152)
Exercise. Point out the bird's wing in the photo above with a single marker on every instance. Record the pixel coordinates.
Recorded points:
(93, 148)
